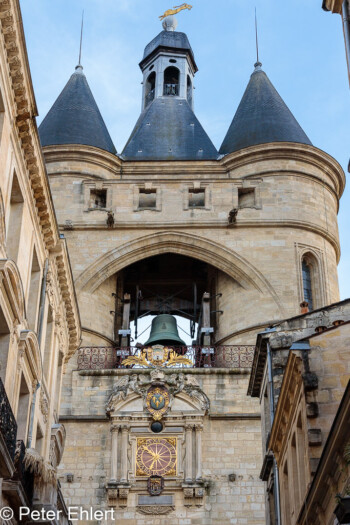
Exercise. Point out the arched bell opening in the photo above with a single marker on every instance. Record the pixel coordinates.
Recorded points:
(171, 82)
(150, 89)
(189, 90)
(167, 285)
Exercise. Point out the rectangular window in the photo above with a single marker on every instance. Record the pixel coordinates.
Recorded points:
(15, 219)
(246, 197)
(196, 198)
(147, 199)
(98, 199)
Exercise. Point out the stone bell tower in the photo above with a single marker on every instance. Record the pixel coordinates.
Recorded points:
(230, 241)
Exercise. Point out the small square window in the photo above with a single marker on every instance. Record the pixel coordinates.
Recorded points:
(147, 199)
(196, 198)
(98, 199)
(246, 197)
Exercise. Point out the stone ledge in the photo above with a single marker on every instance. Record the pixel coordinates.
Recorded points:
(194, 371)
(235, 416)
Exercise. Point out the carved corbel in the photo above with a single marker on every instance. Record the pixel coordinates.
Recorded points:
(199, 496)
(123, 496)
(188, 496)
(112, 497)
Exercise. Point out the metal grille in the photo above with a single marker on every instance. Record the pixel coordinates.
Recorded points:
(105, 358)
(25, 476)
(8, 425)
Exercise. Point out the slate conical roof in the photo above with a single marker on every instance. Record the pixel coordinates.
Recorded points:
(75, 118)
(167, 129)
(261, 117)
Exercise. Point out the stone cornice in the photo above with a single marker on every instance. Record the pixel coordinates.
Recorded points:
(289, 151)
(286, 406)
(66, 285)
(24, 117)
(81, 154)
(333, 5)
(222, 169)
(200, 224)
(24, 112)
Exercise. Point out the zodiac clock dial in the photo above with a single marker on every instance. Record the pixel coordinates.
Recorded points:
(156, 456)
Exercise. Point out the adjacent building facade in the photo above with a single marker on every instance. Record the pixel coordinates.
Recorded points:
(39, 321)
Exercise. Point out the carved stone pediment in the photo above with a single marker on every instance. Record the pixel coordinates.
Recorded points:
(185, 386)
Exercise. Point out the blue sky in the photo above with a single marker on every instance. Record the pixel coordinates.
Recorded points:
(301, 48)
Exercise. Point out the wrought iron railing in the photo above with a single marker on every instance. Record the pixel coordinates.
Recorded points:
(23, 474)
(171, 89)
(106, 358)
(8, 425)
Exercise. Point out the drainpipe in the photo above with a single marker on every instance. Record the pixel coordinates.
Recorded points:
(39, 333)
(272, 417)
(346, 29)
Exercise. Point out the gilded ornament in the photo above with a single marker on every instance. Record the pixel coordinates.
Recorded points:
(157, 401)
(157, 356)
(175, 10)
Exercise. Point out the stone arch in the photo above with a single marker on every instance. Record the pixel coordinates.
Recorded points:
(181, 243)
(14, 288)
(30, 343)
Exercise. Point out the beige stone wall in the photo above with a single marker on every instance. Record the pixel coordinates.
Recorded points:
(294, 211)
(228, 446)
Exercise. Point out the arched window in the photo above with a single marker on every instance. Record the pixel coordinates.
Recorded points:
(150, 88)
(189, 90)
(307, 283)
(171, 81)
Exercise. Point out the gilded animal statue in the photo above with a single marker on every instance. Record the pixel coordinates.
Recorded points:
(175, 10)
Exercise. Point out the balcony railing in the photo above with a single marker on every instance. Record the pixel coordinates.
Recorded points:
(107, 358)
(8, 425)
(23, 474)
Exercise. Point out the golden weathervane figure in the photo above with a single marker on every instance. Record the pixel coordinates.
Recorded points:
(175, 10)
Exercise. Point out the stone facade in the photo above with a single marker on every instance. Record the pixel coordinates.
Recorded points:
(39, 320)
(261, 214)
(230, 461)
(255, 227)
(308, 359)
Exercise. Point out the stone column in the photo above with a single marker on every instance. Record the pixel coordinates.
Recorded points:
(188, 463)
(114, 458)
(199, 429)
(124, 456)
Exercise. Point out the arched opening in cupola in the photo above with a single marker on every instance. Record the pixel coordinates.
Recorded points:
(189, 90)
(171, 82)
(150, 88)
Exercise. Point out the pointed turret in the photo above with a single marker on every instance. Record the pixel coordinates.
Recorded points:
(75, 118)
(261, 117)
(167, 128)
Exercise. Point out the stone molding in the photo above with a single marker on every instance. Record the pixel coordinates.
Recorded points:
(155, 509)
(215, 169)
(194, 246)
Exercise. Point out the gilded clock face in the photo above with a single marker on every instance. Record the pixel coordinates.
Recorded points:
(156, 456)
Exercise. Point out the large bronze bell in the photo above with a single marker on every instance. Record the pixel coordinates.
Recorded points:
(164, 332)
